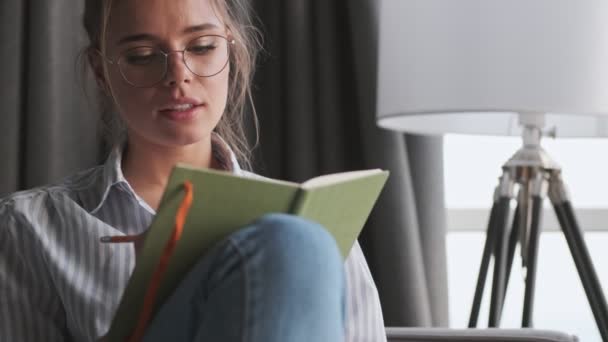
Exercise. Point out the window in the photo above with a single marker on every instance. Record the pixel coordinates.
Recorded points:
(472, 167)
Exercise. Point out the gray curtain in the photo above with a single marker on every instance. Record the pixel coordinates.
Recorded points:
(315, 96)
(47, 128)
(316, 102)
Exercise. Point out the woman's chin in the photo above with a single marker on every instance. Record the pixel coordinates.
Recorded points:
(184, 138)
(184, 141)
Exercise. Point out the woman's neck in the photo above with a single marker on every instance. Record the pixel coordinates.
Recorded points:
(147, 166)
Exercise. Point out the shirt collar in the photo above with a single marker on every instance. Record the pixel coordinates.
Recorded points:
(112, 176)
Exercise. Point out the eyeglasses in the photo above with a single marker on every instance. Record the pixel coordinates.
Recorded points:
(146, 66)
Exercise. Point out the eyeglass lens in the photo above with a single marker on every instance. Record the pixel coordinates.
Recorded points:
(146, 65)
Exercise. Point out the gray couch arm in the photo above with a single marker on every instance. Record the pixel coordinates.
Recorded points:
(476, 335)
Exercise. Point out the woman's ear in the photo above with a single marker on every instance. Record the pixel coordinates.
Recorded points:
(96, 62)
(228, 31)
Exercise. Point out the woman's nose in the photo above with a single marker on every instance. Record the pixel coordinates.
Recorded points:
(177, 71)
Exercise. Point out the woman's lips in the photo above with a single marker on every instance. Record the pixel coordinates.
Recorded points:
(181, 114)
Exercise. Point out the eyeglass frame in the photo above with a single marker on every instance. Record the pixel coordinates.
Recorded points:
(229, 39)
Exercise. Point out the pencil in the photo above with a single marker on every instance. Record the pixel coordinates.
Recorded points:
(119, 239)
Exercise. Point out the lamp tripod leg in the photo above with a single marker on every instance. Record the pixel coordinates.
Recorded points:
(488, 250)
(500, 256)
(537, 205)
(496, 226)
(580, 254)
(515, 229)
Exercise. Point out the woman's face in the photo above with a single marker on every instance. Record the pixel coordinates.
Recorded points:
(183, 108)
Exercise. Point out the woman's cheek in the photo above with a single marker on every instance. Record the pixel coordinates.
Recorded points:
(220, 95)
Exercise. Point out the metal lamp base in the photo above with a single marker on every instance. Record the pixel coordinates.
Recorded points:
(535, 175)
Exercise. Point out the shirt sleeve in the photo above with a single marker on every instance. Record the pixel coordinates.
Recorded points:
(29, 311)
(364, 321)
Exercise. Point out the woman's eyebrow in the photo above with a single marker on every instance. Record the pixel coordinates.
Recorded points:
(146, 36)
(199, 28)
(136, 37)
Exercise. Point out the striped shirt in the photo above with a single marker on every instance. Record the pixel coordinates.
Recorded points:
(58, 283)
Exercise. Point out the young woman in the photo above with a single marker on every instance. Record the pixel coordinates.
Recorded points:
(177, 72)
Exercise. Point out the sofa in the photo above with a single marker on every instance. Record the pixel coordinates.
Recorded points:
(401, 334)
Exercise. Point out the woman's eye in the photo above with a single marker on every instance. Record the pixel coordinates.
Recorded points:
(142, 58)
(201, 49)
(139, 60)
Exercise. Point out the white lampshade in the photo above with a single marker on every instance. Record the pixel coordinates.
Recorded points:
(471, 66)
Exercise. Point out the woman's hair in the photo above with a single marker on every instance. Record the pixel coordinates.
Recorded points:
(237, 17)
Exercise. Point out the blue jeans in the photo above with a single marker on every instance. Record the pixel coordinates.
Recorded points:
(279, 279)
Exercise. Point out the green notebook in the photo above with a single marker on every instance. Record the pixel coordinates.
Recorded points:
(223, 203)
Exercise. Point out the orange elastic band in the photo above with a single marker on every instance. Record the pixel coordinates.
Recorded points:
(150, 297)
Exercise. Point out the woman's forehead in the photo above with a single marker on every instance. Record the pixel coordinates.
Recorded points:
(161, 18)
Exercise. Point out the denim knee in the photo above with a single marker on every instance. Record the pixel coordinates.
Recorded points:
(291, 236)
(292, 243)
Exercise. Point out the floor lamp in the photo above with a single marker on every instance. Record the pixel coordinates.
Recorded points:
(529, 68)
